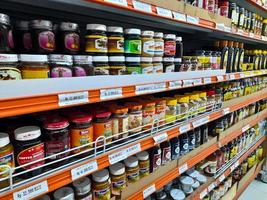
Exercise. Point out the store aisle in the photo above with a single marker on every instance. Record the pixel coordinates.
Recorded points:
(256, 190)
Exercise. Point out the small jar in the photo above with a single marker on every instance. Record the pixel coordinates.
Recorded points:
(96, 40)
(208, 58)
(132, 43)
(168, 65)
(117, 65)
(132, 169)
(9, 67)
(120, 120)
(178, 65)
(83, 66)
(69, 38)
(43, 38)
(115, 41)
(34, 66)
(159, 44)
(148, 114)
(101, 66)
(61, 65)
(135, 117)
(82, 189)
(160, 111)
(210, 98)
(64, 193)
(193, 104)
(6, 43)
(182, 107)
(203, 101)
(171, 110)
(200, 56)
(194, 63)
(101, 185)
(103, 125)
(157, 65)
(213, 61)
(187, 65)
(133, 65)
(169, 45)
(118, 178)
(148, 44)
(22, 37)
(146, 65)
(144, 163)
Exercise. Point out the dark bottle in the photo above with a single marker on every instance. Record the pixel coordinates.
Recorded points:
(197, 132)
(184, 140)
(166, 152)
(235, 57)
(245, 20)
(230, 56)
(6, 36)
(263, 60)
(224, 54)
(155, 158)
(241, 18)
(237, 16)
(204, 134)
(175, 148)
(191, 140)
(240, 57)
(22, 37)
(232, 13)
(249, 15)
(179, 47)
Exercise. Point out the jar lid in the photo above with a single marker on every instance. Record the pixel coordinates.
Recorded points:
(133, 59)
(170, 36)
(203, 94)
(158, 34)
(115, 29)
(143, 155)
(68, 26)
(8, 58)
(119, 110)
(171, 101)
(55, 123)
(33, 58)
(101, 176)
(131, 162)
(100, 58)
(196, 184)
(148, 33)
(146, 59)
(25, 133)
(98, 27)
(64, 193)
(81, 118)
(201, 178)
(168, 59)
(41, 24)
(83, 59)
(4, 139)
(117, 169)
(182, 99)
(148, 103)
(210, 93)
(157, 59)
(4, 19)
(22, 25)
(177, 194)
(135, 31)
(178, 60)
(61, 59)
(116, 59)
(44, 197)
(187, 180)
(82, 186)
(134, 106)
(102, 114)
(179, 39)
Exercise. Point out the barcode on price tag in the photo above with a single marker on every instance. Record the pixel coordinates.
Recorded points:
(119, 2)
(203, 194)
(117, 157)
(191, 19)
(31, 192)
(142, 6)
(221, 178)
(142, 89)
(187, 83)
(160, 138)
(226, 111)
(164, 12)
(197, 81)
(207, 80)
(175, 84)
(183, 168)
(220, 78)
(73, 98)
(110, 93)
(179, 16)
(220, 26)
(84, 170)
(184, 128)
(245, 128)
(133, 149)
(200, 122)
(148, 191)
(211, 187)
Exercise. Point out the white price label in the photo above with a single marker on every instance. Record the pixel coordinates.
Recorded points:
(118, 2)
(227, 29)
(175, 84)
(188, 83)
(184, 128)
(220, 78)
(242, 75)
(142, 89)
(133, 149)
(237, 163)
(31, 192)
(245, 128)
(191, 19)
(148, 191)
(207, 80)
(142, 6)
(251, 35)
(164, 12)
(203, 194)
(197, 81)
(110, 93)
(240, 31)
(200, 122)
(73, 98)
(84, 170)
(183, 168)
(231, 77)
(220, 26)
(179, 16)
(159, 86)
(160, 138)
(211, 187)
(232, 168)
(226, 111)
(264, 38)
(117, 157)
(221, 178)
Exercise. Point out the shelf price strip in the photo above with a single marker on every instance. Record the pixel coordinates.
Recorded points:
(160, 138)
(207, 80)
(143, 89)
(73, 98)
(183, 168)
(175, 84)
(164, 12)
(142, 6)
(179, 16)
(110, 93)
(200, 122)
(184, 128)
(220, 78)
(203, 194)
(118, 2)
(148, 191)
(84, 170)
(245, 128)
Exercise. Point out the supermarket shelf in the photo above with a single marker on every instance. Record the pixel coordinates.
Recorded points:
(253, 6)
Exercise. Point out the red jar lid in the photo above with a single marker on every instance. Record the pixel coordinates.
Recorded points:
(210, 92)
(80, 118)
(102, 114)
(55, 123)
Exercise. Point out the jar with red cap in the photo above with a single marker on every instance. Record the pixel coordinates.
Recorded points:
(210, 98)
(81, 131)
(56, 138)
(169, 45)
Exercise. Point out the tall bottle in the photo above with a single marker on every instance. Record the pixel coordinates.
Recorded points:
(260, 59)
(255, 59)
(235, 57)
(240, 57)
(179, 47)
(230, 56)
(224, 53)
(265, 63)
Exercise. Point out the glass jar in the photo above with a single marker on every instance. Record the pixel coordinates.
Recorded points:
(178, 64)
(133, 65)
(160, 111)
(118, 178)
(103, 125)
(148, 114)
(146, 65)
(117, 65)
(120, 120)
(132, 169)
(135, 117)
(61, 65)
(194, 63)
(157, 65)
(82, 189)
(187, 65)
(171, 110)
(182, 107)
(34, 66)
(200, 56)
(101, 185)
(148, 43)
(22, 37)
(203, 101)
(9, 67)
(115, 41)
(83, 66)
(169, 45)
(159, 44)
(64, 193)
(208, 58)
(168, 64)
(43, 38)
(101, 66)
(213, 61)
(194, 105)
(96, 39)
(144, 163)
(132, 43)
(6, 42)
(210, 99)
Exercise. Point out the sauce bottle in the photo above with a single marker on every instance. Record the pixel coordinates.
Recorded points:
(197, 133)
(184, 144)
(175, 148)
(166, 152)
(230, 56)
(179, 47)
(240, 56)
(204, 134)
(155, 158)
(235, 57)
(191, 140)
(224, 53)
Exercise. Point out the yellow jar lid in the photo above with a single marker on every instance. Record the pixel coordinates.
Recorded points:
(183, 99)
(171, 101)
(194, 97)
(203, 94)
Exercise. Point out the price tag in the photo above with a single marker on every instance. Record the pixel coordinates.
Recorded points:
(197, 81)
(220, 78)
(148, 191)
(191, 19)
(118, 2)
(237, 163)
(110, 93)
(242, 75)
(264, 38)
(188, 83)
(159, 86)
(142, 6)
(203, 194)
(245, 128)
(251, 35)
(227, 29)
(183, 168)
(221, 178)
(231, 77)
(232, 168)
(160, 138)
(220, 26)
(211, 187)
(84, 170)
(240, 31)
(175, 84)
(73, 98)
(118, 156)
(226, 111)
(184, 128)
(164, 12)
(207, 80)
(31, 192)
(200, 122)
(179, 16)
(142, 89)
(133, 149)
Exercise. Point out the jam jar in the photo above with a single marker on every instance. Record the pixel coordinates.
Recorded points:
(83, 66)
(117, 65)
(101, 65)
(115, 40)
(69, 38)
(43, 38)
(22, 37)
(133, 42)
(9, 67)
(6, 38)
(61, 65)
(133, 65)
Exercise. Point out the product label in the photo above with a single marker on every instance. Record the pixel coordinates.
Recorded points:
(156, 162)
(101, 70)
(35, 73)
(134, 70)
(27, 41)
(83, 170)
(103, 129)
(96, 43)
(144, 168)
(169, 68)
(102, 194)
(79, 137)
(10, 39)
(53, 147)
(46, 40)
(135, 122)
(72, 42)
(157, 68)
(57, 72)
(148, 47)
(118, 183)
(120, 125)
(166, 155)
(158, 48)
(169, 48)
(147, 70)
(132, 174)
(79, 71)
(116, 44)
(31, 154)
(175, 151)
(9, 73)
(148, 117)
(133, 46)
(160, 114)
(184, 146)
(6, 160)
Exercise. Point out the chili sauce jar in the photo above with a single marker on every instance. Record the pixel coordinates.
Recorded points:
(22, 37)
(101, 65)
(148, 43)
(133, 65)
(117, 65)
